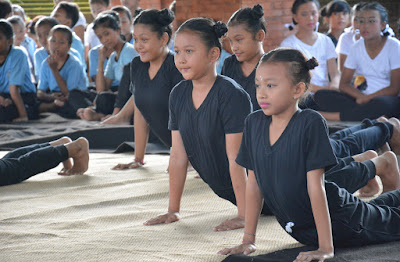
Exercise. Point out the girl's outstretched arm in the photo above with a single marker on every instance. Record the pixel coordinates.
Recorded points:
(239, 179)
(254, 203)
(333, 73)
(177, 176)
(319, 205)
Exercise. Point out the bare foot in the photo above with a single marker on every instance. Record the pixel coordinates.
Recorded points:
(78, 150)
(367, 155)
(395, 140)
(371, 189)
(388, 170)
(230, 224)
(59, 103)
(90, 115)
(67, 164)
(382, 119)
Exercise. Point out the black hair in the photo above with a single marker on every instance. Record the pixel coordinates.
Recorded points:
(357, 7)
(31, 25)
(299, 66)
(63, 29)
(16, 20)
(159, 21)
(6, 29)
(46, 20)
(104, 2)
(252, 18)
(298, 3)
(335, 6)
(209, 31)
(18, 8)
(108, 19)
(71, 11)
(377, 7)
(5, 8)
(137, 12)
(123, 9)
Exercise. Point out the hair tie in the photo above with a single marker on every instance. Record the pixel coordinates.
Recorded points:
(290, 26)
(257, 11)
(311, 63)
(387, 31)
(220, 29)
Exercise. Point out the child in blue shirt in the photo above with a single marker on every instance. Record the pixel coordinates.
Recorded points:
(60, 73)
(17, 93)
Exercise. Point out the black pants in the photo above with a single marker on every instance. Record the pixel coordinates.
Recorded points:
(369, 135)
(25, 162)
(104, 101)
(7, 114)
(333, 101)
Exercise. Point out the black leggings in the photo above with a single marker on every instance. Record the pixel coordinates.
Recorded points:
(333, 101)
(25, 162)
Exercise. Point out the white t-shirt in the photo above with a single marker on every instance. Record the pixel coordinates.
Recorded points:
(323, 49)
(90, 37)
(345, 42)
(81, 21)
(376, 71)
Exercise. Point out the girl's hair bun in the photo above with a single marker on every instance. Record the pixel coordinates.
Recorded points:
(220, 29)
(165, 17)
(311, 63)
(257, 11)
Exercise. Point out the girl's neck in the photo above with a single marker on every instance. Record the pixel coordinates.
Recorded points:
(128, 37)
(375, 43)
(205, 82)
(61, 61)
(283, 118)
(306, 36)
(249, 65)
(156, 63)
(118, 47)
(336, 32)
(3, 55)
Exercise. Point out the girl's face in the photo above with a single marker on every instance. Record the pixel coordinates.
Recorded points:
(5, 44)
(126, 24)
(147, 43)
(96, 9)
(275, 90)
(307, 16)
(370, 24)
(42, 34)
(243, 43)
(355, 20)
(192, 57)
(339, 20)
(58, 44)
(19, 34)
(108, 36)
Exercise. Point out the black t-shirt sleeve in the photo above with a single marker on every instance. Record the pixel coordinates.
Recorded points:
(243, 158)
(318, 149)
(173, 118)
(235, 107)
(123, 91)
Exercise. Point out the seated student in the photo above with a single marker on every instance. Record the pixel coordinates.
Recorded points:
(21, 39)
(31, 30)
(125, 18)
(246, 33)
(80, 26)
(60, 73)
(313, 44)
(336, 15)
(132, 5)
(17, 93)
(5, 9)
(43, 28)
(68, 14)
(42, 157)
(350, 36)
(315, 208)
(91, 39)
(376, 57)
(107, 28)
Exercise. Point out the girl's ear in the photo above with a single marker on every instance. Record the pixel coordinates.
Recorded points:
(260, 36)
(214, 54)
(164, 39)
(300, 89)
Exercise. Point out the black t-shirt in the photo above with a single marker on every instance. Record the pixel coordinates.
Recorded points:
(232, 69)
(123, 91)
(281, 169)
(334, 40)
(203, 131)
(151, 96)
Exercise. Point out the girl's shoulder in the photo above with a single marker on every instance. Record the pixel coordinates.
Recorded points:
(227, 84)
(231, 60)
(290, 40)
(392, 42)
(309, 116)
(169, 62)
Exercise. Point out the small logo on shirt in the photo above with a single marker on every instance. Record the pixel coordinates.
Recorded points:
(289, 226)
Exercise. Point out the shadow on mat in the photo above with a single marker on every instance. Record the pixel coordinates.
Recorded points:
(387, 252)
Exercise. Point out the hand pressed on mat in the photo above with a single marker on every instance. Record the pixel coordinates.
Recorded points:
(245, 248)
(319, 255)
(167, 218)
(230, 224)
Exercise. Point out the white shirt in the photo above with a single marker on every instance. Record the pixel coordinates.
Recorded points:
(346, 41)
(90, 37)
(81, 21)
(376, 71)
(323, 50)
